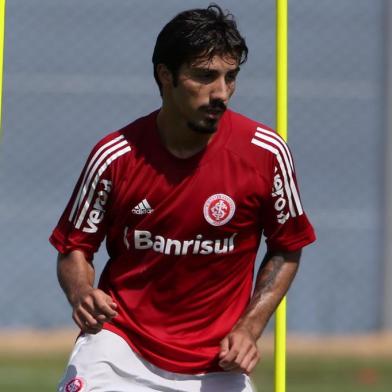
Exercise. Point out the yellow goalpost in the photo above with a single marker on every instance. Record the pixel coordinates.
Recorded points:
(281, 127)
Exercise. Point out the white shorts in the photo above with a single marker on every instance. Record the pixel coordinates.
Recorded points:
(105, 363)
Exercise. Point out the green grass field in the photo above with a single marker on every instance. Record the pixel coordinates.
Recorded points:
(313, 374)
(304, 374)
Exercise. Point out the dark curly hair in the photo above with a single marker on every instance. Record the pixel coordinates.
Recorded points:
(198, 33)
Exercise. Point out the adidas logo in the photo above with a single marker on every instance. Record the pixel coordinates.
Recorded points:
(142, 208)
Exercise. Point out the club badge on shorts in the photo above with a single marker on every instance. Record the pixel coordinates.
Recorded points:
(75, 385)
(219, 209)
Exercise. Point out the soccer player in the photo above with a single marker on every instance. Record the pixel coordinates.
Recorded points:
(182, 197)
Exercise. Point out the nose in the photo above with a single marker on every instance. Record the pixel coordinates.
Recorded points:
(221, 90)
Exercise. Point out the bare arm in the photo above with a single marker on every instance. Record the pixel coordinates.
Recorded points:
(91, 307)
(238, 349)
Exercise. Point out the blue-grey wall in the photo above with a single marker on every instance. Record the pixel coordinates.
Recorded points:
(76, 70)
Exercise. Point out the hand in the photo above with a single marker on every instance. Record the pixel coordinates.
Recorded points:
(92, 308)
(239, 352)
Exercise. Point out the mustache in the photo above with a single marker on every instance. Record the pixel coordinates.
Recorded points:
(216, 105)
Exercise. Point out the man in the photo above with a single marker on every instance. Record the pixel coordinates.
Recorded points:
(182, 197)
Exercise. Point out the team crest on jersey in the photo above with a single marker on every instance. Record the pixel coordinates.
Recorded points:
(75, 385)
(218, 209)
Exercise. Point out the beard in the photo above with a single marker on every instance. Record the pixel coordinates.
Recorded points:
(205, 127)
(208, 125)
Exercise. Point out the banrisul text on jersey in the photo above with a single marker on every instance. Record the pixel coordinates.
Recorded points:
(145, 240)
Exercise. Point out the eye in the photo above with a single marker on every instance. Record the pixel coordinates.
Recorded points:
(231, 77)
(204, 75)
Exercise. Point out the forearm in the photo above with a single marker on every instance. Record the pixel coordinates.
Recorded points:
(91, 307)
(272, 283)
(75, 274)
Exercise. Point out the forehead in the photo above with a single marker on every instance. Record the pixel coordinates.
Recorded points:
(216, 62)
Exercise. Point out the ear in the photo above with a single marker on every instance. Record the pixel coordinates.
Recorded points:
(164, 75)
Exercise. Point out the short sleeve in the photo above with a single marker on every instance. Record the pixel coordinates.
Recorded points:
(286, 226)
(83, 224)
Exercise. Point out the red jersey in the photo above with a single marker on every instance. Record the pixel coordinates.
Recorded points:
(182, 234)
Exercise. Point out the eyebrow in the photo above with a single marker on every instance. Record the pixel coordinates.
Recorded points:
(204, 69)
(236, 70)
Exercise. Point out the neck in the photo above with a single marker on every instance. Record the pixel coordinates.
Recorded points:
(178, 138)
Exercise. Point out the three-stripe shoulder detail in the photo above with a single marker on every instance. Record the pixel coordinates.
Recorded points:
(272, 142)
(95, 167)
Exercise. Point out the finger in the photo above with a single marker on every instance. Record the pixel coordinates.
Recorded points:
(87, 303)
(108, 310)
(231, 355)
(240, 351)
(224, 347)
(112, 304)
(84, 326)
(230, 367)
(248, 358)
(92, 328)
(101, 318)
(228, 361)
(252, 364)
(87, 318)
(105, 305)
(78, 321)
(245, 349)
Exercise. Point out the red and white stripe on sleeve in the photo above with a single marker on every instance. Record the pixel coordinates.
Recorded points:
(286, 226)
(82, 224)
(94, 169)
(285, 188)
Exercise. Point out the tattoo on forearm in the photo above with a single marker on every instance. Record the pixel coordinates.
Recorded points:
(273, 280)
(265, 296)
(268, 273)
